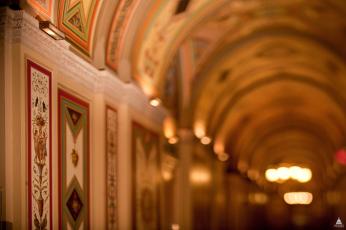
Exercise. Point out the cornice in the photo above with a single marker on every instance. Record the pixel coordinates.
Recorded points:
(18, 27)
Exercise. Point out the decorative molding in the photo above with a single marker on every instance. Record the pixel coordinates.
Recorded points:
(19, 27)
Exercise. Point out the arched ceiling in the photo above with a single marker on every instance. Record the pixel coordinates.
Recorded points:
(267, 77)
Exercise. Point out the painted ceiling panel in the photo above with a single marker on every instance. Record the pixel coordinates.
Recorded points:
(77, 19)
(120, 22)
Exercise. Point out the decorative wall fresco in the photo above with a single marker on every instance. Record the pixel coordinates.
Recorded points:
(42, 7)
(73, 162)
(146, 171)
(39, 146)
(111, 167)
(77, 19)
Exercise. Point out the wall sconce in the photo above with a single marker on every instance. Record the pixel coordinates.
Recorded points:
(155, 102)
(173, 140)
(51, 30)
(206, 140)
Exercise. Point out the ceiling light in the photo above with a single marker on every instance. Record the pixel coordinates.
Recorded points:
(155, 102)
(223, 157)
(200, 176)
(169, 127)
(271, 175)
(167, 175)
(205, 140)
(305, 175)
(173, 140)
(199, 129)
(218, 147)
(51, 30)
(303, 198)
(283, 173)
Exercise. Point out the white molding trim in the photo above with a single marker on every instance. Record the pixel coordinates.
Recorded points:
(20, 27)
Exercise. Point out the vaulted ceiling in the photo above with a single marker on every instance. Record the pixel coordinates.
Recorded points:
(265, 79)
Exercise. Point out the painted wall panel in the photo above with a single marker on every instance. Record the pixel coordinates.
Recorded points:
(73, 118)
(146, 178)
(39, 82)
(111, 167)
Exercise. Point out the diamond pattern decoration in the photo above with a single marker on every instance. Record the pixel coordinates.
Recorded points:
(75, 116)
(74, 204)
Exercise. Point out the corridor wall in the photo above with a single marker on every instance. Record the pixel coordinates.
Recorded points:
(79, 148)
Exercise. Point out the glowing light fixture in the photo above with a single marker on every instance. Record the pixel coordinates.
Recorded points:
(302, 175)
(173, 140)
(271, 175)
(223, 157)
(155, 102)
(51, 30)
(205, 140)
(169, 127)
(199, 129)
(218, 147)
(167, 175)
(175, 227)
(200, 176)
(283, 173)
(303, 198)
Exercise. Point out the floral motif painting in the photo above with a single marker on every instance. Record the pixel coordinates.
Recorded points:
(39, 146)
(111, 167)
(146, 178)
(73, 134)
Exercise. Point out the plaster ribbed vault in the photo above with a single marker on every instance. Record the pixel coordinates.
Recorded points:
(266, 79)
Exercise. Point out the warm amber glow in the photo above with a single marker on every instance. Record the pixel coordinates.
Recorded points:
(199, 129)
(175, 227)
(205, 140)
(169, 127)
(282, 174)
(258, 198)
(304, 198)
(155, 101)
(219, 147)
(200, 176)
(167, 175)
(271, 175)
(223, 157)
(304, 176)
(173, 140)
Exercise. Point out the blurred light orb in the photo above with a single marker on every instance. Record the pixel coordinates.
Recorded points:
(302, 198)
(305, 175)
(271, 175)
(205, 140)
(283, 173)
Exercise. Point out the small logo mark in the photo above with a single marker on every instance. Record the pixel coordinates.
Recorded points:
(338, 223)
